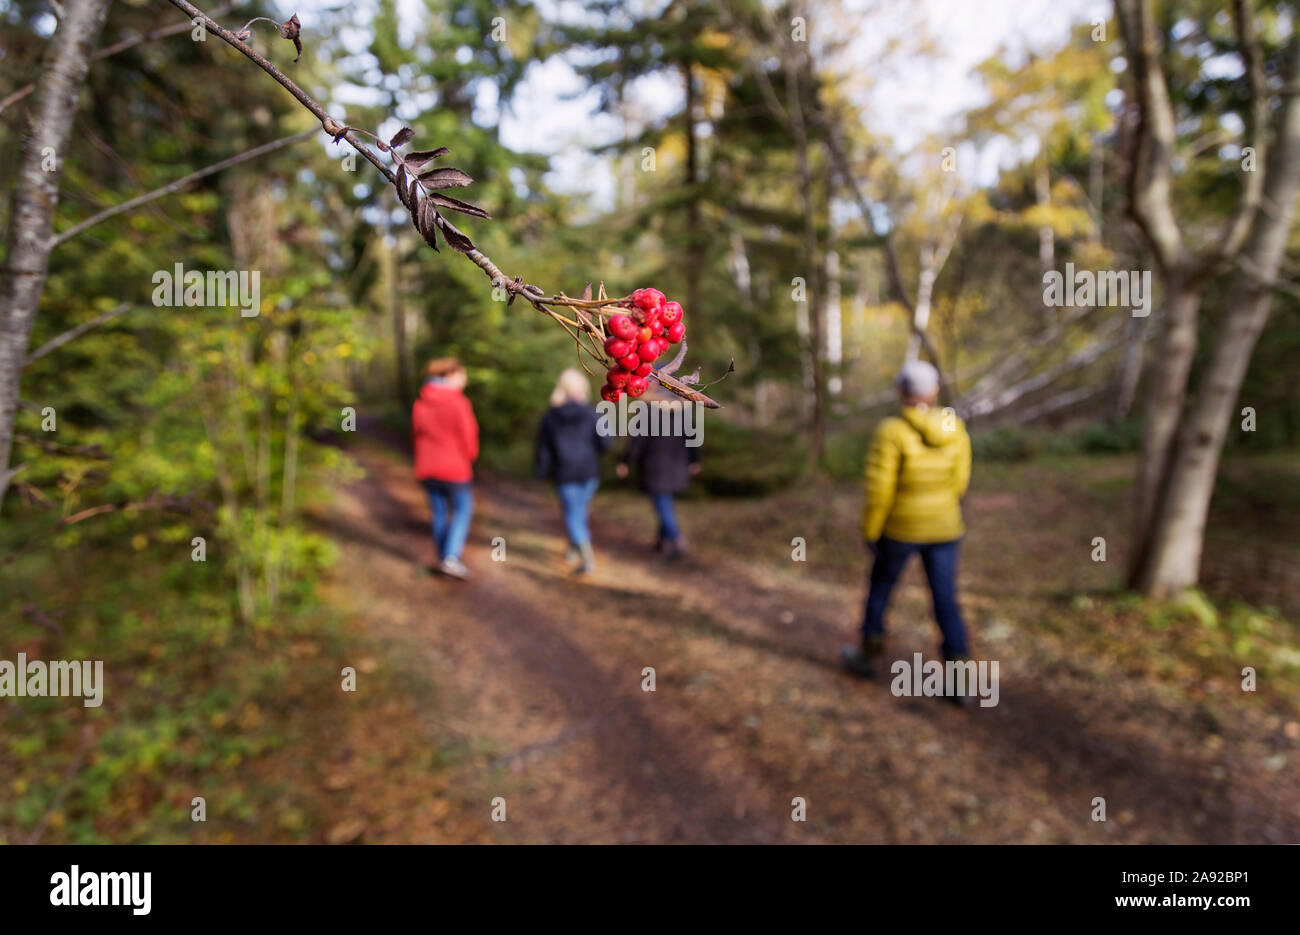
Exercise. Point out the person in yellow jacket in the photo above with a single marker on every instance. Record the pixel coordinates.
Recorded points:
(918, 468)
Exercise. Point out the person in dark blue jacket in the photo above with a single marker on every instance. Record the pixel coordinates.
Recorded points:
(568, 451)
(665, 464)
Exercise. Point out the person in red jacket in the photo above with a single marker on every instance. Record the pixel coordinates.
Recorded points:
(445, 437)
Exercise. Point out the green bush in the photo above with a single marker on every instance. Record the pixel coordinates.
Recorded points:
(749, 462)
(1108, 438)
(1007, 443)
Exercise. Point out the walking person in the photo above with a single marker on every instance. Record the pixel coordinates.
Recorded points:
(665, 465)
(918, 468)
(445, 437)
(568, 451)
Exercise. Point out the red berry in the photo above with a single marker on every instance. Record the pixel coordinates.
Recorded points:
(672, 312)
(648, 351)
(644, 370)
(636, 386)
(610, 394)
(648, 299)
(621, 326)
(676, 331)
(617, 378)
(644, 334)
(617, 347)
(630, 361)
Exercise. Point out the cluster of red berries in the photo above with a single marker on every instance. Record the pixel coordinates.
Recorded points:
(636, 339)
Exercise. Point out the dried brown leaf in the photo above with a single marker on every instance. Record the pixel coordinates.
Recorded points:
(435, 179)
(447, 201)
(291, 29)
(415, 160)
(426, 222)
(402, 191)
(455, 239)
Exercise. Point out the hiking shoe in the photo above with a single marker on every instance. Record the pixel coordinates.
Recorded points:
(588, 564)
(862, 659)
(674, 549)
(453, 568)
(959, 701)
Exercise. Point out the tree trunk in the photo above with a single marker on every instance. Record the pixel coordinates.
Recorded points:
(799, 125)
(1043, 195)
(834, 319)
(1163, 410)
(1174, 546)
(401, 355)
(691, 240)
(36, 193)
(1130, 369)
(924, 295)
(1174, 559)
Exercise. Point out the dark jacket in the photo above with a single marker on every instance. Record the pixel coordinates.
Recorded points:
(663, 462)
(568, 445)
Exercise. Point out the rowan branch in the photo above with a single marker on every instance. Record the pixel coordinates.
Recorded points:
(340, 132)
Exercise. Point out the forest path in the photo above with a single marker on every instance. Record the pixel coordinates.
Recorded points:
(531, 688)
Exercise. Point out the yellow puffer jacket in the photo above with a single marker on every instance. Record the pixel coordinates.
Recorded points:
(918, 468)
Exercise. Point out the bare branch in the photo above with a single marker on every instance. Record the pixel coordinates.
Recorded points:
(115, 48)
(1277, 285)
(1234, 237)
(1150, 182)
(1104, 341)
(73, 333)
(179, 184)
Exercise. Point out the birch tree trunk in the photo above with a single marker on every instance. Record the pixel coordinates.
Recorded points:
(1165, 396)
(1174, 558)
(28, 242)
(1043, 196)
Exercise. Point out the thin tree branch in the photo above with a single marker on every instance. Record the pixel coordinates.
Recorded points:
(173, 187)
(1277, 285)
(1104, 341)
(1150, 181)
(1234, 237)
(87, 739)
(115, 48)
(73, 333)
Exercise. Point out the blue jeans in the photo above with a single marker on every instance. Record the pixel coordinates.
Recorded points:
(940, 561)
(449, 534)
(574, 499)
(663, 504)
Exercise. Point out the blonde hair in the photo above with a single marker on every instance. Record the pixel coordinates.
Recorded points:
(571, 386)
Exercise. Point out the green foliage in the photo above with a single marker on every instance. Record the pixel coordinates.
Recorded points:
(748, 462)
(1022, 443)
(1191, 605)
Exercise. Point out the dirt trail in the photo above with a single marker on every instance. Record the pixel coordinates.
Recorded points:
(531, 688)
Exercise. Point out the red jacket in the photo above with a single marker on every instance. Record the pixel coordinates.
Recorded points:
(445, 434)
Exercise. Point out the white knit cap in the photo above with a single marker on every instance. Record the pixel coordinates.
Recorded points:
(918, 378)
